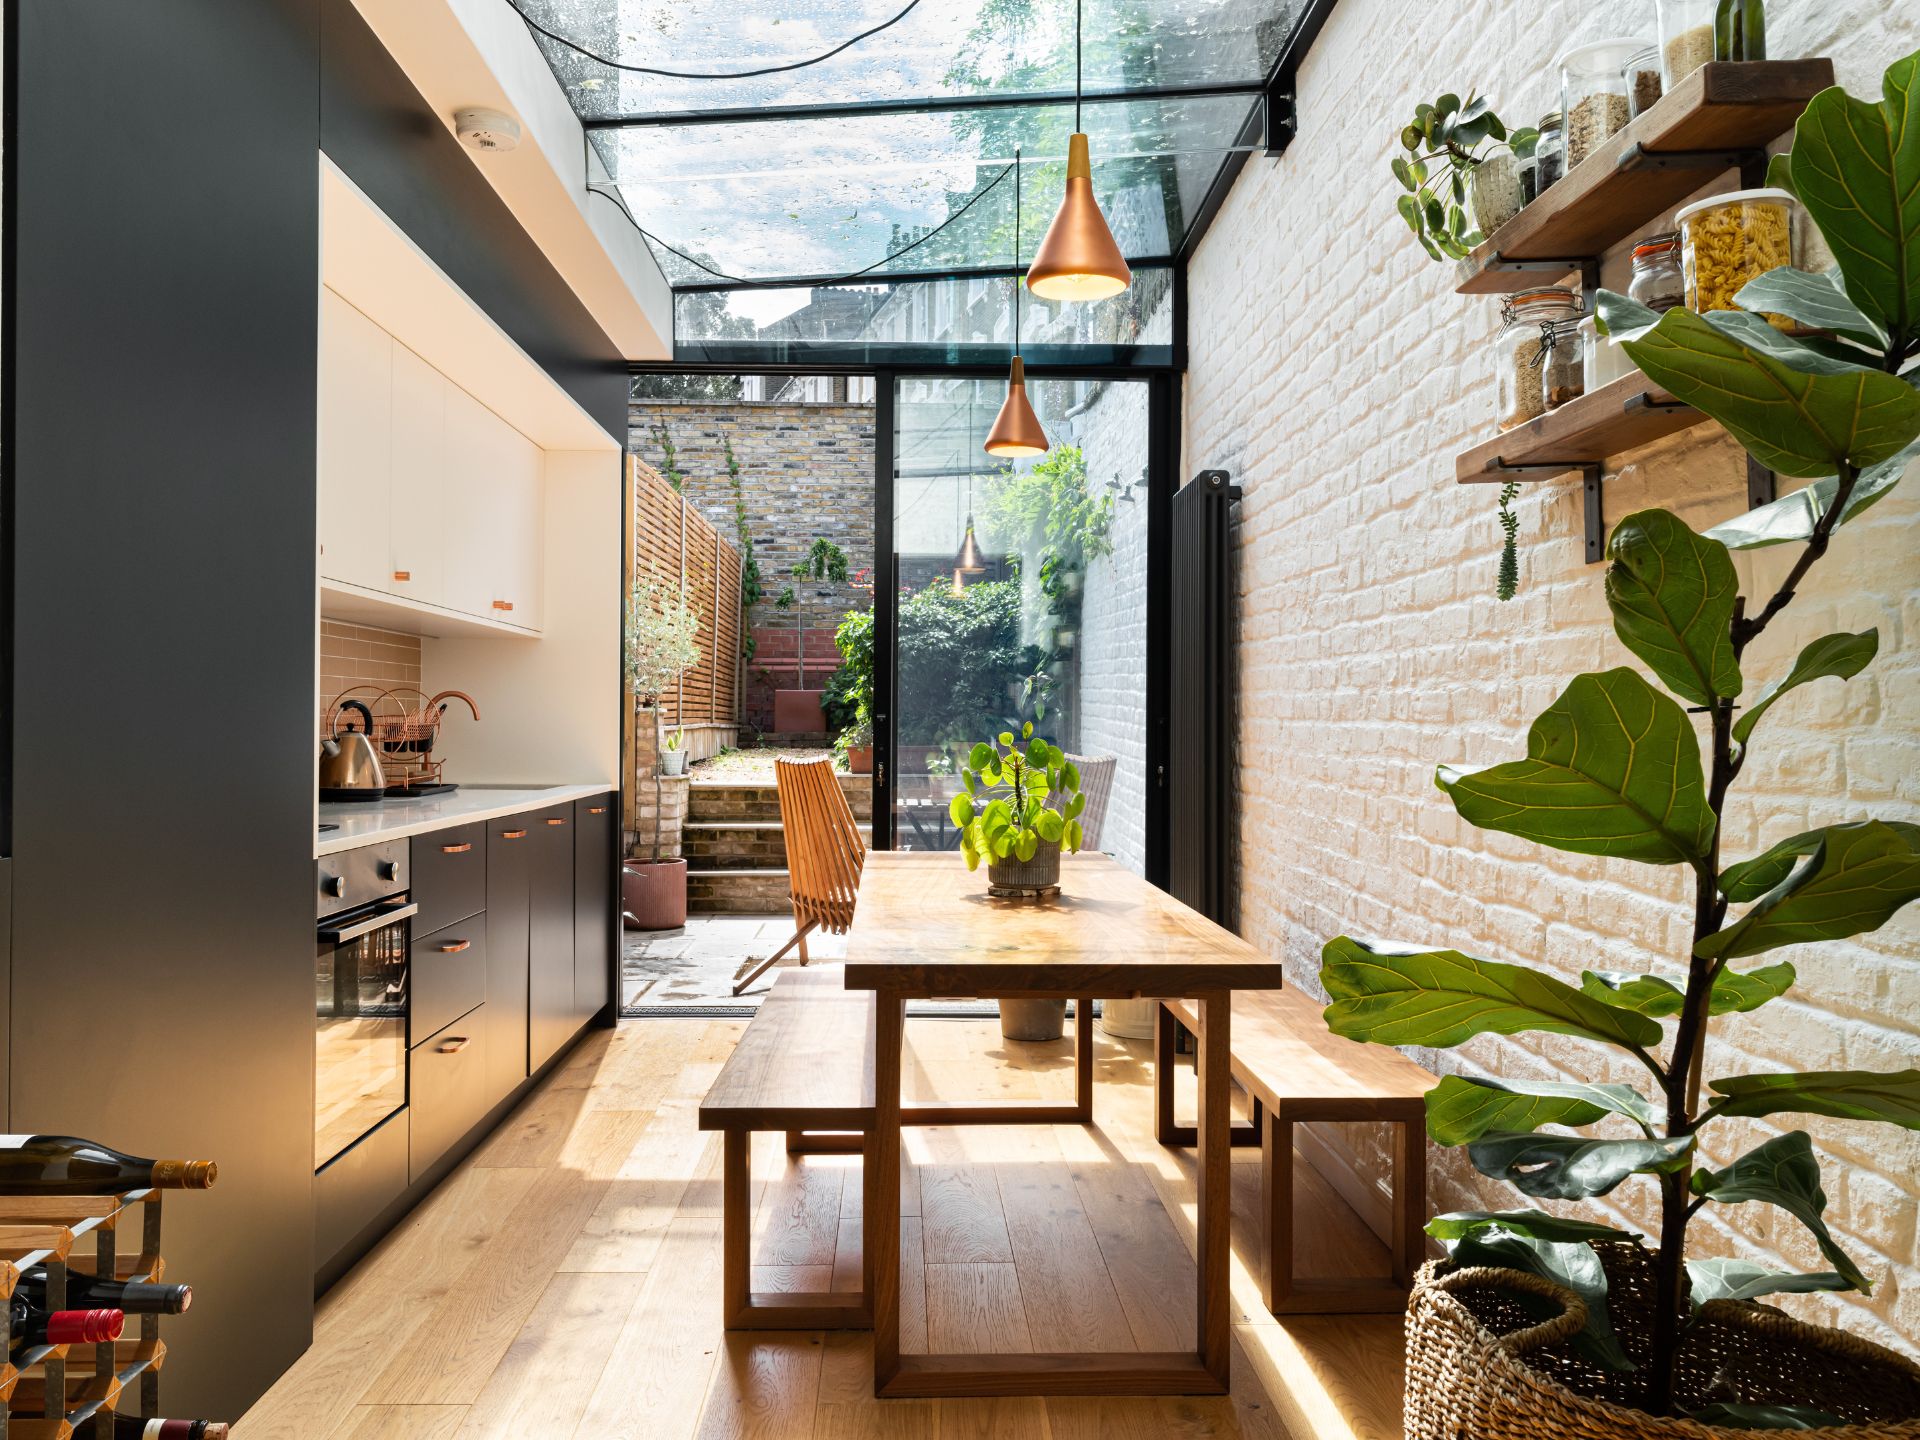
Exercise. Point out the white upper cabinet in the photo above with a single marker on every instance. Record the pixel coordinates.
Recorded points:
(425, 494)
(356, 421)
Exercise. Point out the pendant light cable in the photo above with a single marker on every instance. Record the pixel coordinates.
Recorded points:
(582, 50)
(1076, 66)
(1017, 278)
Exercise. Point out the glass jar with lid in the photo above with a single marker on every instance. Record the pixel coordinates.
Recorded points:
(1562, 363)
(1593, 94)
(1730, 239)
(1686, 37)
(1549, 153)
(1520, 350)
(1603, 361)
(1644, 84)
(1657, 282)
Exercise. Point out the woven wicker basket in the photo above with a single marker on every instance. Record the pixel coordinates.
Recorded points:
(1483, 1365)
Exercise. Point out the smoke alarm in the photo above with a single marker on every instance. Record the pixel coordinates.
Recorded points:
(492, 130)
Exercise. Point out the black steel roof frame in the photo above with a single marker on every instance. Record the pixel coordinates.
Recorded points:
(889, 277)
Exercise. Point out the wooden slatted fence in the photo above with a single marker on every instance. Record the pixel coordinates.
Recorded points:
(677, 546)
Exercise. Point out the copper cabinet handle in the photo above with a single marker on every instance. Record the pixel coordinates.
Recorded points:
(513, 834)
(403, 575)
(555, 820)
(596, 810)
(454, 947)
(454, 1045)
(462, 848)
(503, 604)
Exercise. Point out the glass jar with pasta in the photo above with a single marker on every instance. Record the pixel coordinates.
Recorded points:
(1731, 239)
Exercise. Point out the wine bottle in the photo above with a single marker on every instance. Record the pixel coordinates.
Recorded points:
(86, 1292)
(33, 1326)
(64, 1165)
(131, 1427)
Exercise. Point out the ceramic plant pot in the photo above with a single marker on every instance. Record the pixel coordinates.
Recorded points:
(1020, 879)
(1032, 1020)
(653, 894)
(1128, 1019)
(673, 762)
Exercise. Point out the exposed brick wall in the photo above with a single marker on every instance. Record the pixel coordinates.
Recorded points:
(1335, 374)
(641, 804)
(352, 655)
(807, 471)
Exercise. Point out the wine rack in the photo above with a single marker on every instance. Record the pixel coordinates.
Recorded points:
(54, 1392)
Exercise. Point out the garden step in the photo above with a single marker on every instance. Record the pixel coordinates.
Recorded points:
(739, 844)
(737, 892)
(719, 801)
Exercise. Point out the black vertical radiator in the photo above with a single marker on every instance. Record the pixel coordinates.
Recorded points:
(1200, 720)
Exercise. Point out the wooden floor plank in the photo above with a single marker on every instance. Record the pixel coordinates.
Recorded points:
(847, 1409)
(643, 1196)
(400, 1422)
(791, 1279)
(913, 1288)
(764, 1386)
(960, 1215)
(1070, 1299)
(974, 1308)
(798, 1221)
(847, 1250)
(655, 1380)
(549, 1373)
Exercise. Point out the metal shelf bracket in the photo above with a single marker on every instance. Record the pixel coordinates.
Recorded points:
(1594, 515)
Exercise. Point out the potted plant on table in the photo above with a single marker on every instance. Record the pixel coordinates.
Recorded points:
(660, 631)
(1546, 1324)
(1019, 809)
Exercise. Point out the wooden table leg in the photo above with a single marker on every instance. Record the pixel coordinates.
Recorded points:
(736, 1225)
(881, 1235)
(1165, 1032)
(1214, 1185)
(1083, 1059)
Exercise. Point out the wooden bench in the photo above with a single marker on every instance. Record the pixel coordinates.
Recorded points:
(1295, 1070)
(804, 1066)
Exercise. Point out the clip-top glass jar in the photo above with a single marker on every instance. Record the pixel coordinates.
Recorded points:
(1657, 282)
(1562, 363)
(1593, 94)
(1549, 153)
(1520, 350)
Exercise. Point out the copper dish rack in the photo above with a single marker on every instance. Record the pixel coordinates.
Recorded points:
(406, 725)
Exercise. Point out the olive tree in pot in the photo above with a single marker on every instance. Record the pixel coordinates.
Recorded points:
(1019, 809)
(660, 646)
(1543, 1324)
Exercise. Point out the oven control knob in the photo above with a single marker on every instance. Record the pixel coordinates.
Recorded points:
(389, 869)
(333, 885)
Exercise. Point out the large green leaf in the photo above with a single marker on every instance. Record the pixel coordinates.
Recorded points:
(1744, 1280)
(1856, 167)
(1572, 1264)
(1809, 354)
(1750, 879)
(1816, 300)
(1841, 656)
(1395, 996)
(1891, 1097)
(1733, 992)
(1612, 768)
(1461, 1110)
(1573, 1167)
(1458, 1224)
(1791, 518)
(1672, 595)
(1853, 880)
(1792, 421)
(1783, 1172)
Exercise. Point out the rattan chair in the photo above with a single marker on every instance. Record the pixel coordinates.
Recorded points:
(825, 855)
(1096, 783)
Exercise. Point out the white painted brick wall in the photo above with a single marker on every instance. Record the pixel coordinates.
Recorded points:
(1335, 374)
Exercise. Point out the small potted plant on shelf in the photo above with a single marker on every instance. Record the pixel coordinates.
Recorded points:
(660, 646)
(1459, 157)
(673, 752)
(1019, 808)
(1544, 1323)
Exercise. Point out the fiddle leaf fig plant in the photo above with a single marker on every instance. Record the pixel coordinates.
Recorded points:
(1445, 143)
(1616, 768)
(1021, 792)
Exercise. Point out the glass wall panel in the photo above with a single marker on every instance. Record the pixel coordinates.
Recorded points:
(1053, 627)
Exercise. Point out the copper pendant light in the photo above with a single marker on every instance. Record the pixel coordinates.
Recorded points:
(1016, 432)
(1078, 260)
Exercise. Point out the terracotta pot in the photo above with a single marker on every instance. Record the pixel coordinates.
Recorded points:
(798, 712)
(860, 760)
(1040, 875)
(1033, 1019)
(653, 893)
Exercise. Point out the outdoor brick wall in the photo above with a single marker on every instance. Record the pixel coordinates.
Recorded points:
(641, 805)
(807, 471)
(1335, 374)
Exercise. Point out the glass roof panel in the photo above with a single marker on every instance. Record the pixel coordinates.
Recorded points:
(941, 48)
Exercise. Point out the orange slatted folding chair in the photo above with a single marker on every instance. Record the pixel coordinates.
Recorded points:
(825, 855)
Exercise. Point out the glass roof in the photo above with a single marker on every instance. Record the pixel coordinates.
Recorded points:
(923, 117)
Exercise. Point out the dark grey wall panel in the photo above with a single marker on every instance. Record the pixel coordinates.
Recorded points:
(166, 350)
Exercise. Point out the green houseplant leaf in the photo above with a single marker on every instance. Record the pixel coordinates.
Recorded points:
(1765, 1417)
(1460, 1110)
(1572, 1264)
(1750, 879)
(1819, 301)
(1792, 517)
(1893, 1098)
(1783, 1172)
(1840, 656)
(1853, 880)
(1538, 1224)
(1612, 768)
(1744, 1280)
(1733, 992)
(1672, 596)
(1573, 1167)
(1441, 997)
(1856, 167)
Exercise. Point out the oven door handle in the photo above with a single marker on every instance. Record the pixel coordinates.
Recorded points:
(367, 926)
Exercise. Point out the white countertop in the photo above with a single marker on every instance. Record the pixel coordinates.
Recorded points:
(364, 823)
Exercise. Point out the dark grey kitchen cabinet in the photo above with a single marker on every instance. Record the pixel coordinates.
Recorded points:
(593, 914)
(510, 856)
(551, 1020)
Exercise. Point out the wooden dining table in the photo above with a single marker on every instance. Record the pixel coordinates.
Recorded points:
(925, 926)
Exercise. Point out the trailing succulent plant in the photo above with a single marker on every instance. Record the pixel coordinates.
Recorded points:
(1615, 768)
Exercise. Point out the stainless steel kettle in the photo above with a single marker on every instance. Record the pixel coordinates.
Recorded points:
(349, 765)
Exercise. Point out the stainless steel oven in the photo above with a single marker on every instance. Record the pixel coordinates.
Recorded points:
(360, 992)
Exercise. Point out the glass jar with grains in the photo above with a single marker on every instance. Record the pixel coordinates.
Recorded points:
(1593, 94)
(1562, 363)
(1686, 37)
(1657, 282)
(1731, 239)
(1643, 81)
(1549, 153)
(1519, 351)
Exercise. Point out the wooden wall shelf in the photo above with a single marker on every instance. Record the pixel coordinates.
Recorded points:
(1618, 416)
(1719, 117)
